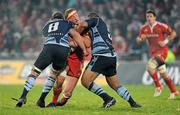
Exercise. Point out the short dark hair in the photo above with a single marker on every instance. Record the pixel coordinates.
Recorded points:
(151, 11)
(93, 15)
(57, 15)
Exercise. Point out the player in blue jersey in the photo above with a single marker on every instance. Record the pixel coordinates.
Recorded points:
(55, 52)
(103, 62)
(74, 67)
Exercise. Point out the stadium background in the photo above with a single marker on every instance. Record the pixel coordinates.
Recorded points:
(21, 22)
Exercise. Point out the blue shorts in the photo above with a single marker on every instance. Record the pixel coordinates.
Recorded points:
(52, 54)
(103, 65)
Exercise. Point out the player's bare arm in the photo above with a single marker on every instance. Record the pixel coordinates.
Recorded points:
(168, 38)
(77, 37)
(86, 40)
(72, 43)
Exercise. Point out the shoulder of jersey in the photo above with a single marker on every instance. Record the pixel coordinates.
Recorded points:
(162, 24)
(144, 26)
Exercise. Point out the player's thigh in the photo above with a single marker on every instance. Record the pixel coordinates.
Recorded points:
(44, 59)
(95, 64)
(60, 55)
(154, 63)
(109, 67)
(151, 65)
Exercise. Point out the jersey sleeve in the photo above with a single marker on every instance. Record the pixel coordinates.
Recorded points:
(92, 22)
(141, 31)
(165, 28)
(71, 25)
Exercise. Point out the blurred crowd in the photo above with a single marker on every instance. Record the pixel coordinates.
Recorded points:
(21, 22)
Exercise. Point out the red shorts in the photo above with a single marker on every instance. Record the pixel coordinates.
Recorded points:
(75, 66)
(161, 55)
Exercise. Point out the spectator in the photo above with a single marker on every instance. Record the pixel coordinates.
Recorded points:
(125, 16)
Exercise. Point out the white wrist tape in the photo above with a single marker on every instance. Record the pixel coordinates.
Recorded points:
(166, 41)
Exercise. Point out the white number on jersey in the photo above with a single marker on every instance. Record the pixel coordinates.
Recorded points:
(53, 27)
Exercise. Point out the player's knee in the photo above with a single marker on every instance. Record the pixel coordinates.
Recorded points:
(152, 64)
(150, 70)
(54, 73)
(59, 84)
(35, 71)
(84, 82)
(162, 70)
(60, 80)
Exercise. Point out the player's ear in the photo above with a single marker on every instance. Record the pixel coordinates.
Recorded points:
(155, 17)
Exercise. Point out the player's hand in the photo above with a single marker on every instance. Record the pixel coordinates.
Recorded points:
(143, 37)
(161, 43)
(85, 52)
(73, 44)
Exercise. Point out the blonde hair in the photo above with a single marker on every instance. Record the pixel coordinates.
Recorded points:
(69, 12)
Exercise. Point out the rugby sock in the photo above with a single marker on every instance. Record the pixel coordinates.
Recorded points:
(28, 85)
(56, 93)
(49, 83)
(99, 91)
(156, 80)
(170, 84)
(64, 100)
(123, 92)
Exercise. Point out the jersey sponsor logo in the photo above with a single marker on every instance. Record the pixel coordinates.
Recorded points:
(158, 30)
(152, 35)
(145, 30)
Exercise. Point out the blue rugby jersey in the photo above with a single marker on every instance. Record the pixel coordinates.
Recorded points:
(56, 32)
(101, 38)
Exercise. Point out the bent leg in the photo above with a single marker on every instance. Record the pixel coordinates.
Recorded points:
(57, 89)
(151, 68)
(114, 83)
(28, 85)
(168, 81)
(87, 81)
(68, 90)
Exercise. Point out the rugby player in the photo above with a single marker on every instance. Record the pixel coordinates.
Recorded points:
(55, 51)
(103, 61)
(157, 35)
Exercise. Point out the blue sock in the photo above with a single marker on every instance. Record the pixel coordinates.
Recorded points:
(123, 92)
(49, 83)
(28, 85)
(99, 91)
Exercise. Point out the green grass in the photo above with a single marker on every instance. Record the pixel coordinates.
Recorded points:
(84, 102)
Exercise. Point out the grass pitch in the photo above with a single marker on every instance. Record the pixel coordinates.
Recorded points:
(84, 102)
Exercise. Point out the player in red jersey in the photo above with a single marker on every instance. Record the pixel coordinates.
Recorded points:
(157, 35)
(74, 65)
